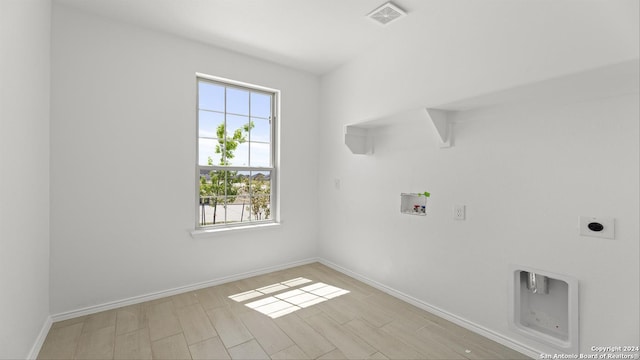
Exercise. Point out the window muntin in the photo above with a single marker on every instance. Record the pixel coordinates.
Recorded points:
(236, 173)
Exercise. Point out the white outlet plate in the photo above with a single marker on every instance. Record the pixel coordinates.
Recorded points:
(608, 231)
(458, 212)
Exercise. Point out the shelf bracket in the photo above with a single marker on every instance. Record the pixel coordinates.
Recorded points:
(442, 125)
(358, 140)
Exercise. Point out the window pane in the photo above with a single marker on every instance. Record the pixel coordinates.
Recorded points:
(210, 213)
(240, 155)
(261, 177)
(209, 123)
(260, 191)
(237, 101)
(260, 154)
(237, 127)
(204, 210)
(238, 149)
(260, 207)
(210, 96)
(260, 105)
(206, 149)
(218, 211)
(238, 211)
(211, 183)
(261, 130)
(237, 196)
(211, 200)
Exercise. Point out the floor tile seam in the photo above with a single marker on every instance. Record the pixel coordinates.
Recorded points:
(91, 333)
(346, 328)
(213, 296)
(77, 340)
(295, 343)
(444, 344)
(386, 323)
(361, 317)
(244, 342)
(380, 310)
(467, 347)
(167, 336)
(342, 328)
(184, 337)
(211, 308)
(391, 336)
(130, 331)
(334, 319)
(181, 307)
(85, 331)
(206, 314)
(223, 346)
(65, 326)
(113, 346)
(203, 340)
(199, 341)
(208, 319)
(75, 350)
(334, 349)
(233, 314)
(258, 341)
(405, 343)
(154, 313)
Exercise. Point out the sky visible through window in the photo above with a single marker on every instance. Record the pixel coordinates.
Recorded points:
(241, 107)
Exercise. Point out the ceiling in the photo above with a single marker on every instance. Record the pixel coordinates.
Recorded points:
(319, 35)
(310, 35)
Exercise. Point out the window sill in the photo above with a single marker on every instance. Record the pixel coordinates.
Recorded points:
(204, 233)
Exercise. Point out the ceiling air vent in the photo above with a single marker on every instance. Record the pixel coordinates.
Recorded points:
(386, 13)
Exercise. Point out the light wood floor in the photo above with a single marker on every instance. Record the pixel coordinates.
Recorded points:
(312, 312)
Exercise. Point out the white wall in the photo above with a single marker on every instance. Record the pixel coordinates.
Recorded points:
(525, 173)
(122, 164)
(24, 173)
(445, 61)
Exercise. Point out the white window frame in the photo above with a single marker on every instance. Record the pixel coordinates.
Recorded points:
(273, 169)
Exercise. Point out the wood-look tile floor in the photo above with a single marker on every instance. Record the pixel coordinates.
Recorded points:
(307, 312)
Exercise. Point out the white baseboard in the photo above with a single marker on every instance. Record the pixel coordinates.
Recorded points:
(35, 349)
(175, 291)
(478, 329)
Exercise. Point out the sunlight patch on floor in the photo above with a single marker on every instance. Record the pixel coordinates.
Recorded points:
(286, 302)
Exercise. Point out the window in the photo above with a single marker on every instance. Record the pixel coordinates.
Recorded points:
(236, 153)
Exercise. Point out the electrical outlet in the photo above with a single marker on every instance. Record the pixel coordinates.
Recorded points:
(336, 184)
(602, 227)
(458, 212)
